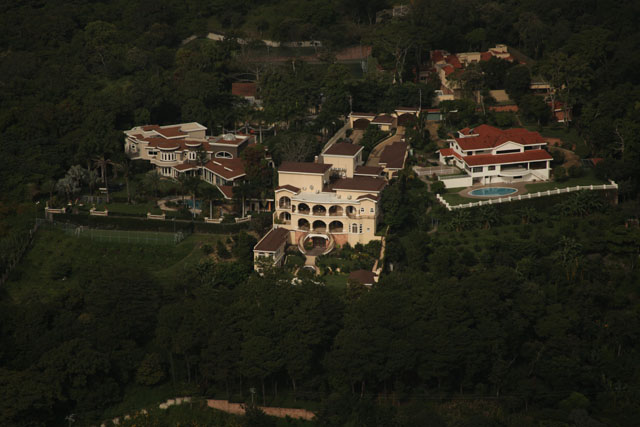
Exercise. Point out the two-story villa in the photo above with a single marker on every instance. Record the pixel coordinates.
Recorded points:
(328, 204)
(490, 155)
(185, 148)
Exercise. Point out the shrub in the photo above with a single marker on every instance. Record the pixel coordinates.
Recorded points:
(558, 157)
(207, 249)
(576, 171)
(560, 174)
(438, 187)
(222, 250)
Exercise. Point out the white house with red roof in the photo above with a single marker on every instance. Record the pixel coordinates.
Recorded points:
(489, 155)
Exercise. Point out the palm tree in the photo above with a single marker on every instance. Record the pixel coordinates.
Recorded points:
(102, 162)
(212, 194)
(193, 185)
(92, 181)
(568, 254)
(459, 220)
(152, 181)
(488, 216)
(182, 179)
(126, 165)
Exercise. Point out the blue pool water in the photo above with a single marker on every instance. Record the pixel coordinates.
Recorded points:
(493, 191)
(189, 203)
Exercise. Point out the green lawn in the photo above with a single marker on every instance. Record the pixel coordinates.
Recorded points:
(588, 179)
(130, 209)
(336, 282)
(456, 199)
(55, 263)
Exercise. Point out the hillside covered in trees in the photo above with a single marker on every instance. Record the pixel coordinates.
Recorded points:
(523, 314)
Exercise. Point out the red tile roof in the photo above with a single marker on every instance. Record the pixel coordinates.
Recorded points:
(288, 188)
(454, 61)
(185, 166)
(228, 169)
(168, 144)
(497, 159)
(244, 89)
(368, 170)
(383, 119)
(369, 196)
(437, 55)
(364, 277)
(170, 132)
(490, 137)
(448, 70)
(229, 139)
(304, 167)
(226, 190)
(273, 240)
(485, 56)
(360, 183)
(394, 155)
(446, 152)
(343, 149)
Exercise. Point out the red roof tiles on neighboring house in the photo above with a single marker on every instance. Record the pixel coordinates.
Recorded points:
(446, 152)
(491, 159)
(287, 187)
(368, 171)
(383, 119)
(437, 56)
(360, 183)
(273, 240)
(369, 196)
(228, 169)
(185, 166)
(485, 56)
(226, 190)
(244, 89)
(448, 70)
(343, 149)
(364, 277)
(504, 108)
(171, 132)
(490, 137)
(454, 61)
(394, 155)
(304, 167)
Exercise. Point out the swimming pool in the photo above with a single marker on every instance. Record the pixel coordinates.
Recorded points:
(493, 191)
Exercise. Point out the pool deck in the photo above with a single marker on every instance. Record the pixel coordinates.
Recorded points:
(519, 186)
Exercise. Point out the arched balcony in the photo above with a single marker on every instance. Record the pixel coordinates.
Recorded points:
(285, 217)
(335, 227)
(352, 212)
(319, 210)
(303, 224)
(284, 203)
(336, 211)
(319, 226)
(303, 209)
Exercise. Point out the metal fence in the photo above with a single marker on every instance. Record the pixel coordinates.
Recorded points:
(118, 236)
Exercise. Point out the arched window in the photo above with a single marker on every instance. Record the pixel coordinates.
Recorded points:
(224, 155)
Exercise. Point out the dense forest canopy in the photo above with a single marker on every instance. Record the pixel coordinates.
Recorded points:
(524, 314)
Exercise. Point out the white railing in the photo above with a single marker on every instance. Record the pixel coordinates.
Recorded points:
(212, 220)
(152, 216)
(612, 186)
(95, 212)
(245, 219)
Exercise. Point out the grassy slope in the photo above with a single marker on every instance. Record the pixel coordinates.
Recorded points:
(53, 249)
